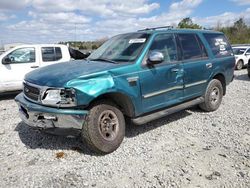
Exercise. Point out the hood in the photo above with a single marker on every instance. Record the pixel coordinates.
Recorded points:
(59, 74)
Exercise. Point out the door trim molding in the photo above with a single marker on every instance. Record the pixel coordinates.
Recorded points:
(196, 83)
(162, 91)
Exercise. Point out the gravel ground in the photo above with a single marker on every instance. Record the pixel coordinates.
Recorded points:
(188, 149)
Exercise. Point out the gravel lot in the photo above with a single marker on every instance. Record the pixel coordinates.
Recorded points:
(188, 149)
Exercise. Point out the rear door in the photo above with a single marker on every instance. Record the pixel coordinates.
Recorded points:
(196, 64)
(162, 84)
(20, 61)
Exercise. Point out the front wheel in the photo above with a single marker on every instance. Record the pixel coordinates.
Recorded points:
(239, 65)
(213, 96)
(104, 128)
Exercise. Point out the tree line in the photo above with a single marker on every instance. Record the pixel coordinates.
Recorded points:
(238, 33)
(85, 45)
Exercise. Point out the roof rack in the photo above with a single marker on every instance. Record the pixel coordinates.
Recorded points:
(157, 28)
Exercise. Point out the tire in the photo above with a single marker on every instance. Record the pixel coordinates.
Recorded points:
(100, 135)
(239, 65)
(213, 96)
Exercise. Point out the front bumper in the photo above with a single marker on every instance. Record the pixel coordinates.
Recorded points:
(39, 116)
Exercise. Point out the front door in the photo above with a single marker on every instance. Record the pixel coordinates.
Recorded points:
(15, 65)
(162, 84)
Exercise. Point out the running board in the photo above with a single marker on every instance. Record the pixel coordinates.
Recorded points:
(165, 112)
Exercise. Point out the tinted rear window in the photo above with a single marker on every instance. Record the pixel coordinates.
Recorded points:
(218, 44)
(51, 54)
(192, 47)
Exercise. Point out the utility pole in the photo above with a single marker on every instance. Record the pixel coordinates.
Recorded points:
(1, 44)
(75, 35)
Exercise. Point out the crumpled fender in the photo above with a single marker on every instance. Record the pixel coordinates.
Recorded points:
(92, 86)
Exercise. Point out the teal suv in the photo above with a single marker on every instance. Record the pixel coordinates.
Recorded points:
(142, 76)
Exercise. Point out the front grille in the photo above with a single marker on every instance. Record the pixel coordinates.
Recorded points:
(31, 92)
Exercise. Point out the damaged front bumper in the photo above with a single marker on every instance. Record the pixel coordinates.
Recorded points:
(43, 117)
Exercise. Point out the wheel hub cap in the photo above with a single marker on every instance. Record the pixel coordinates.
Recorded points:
(108, 125)
(215, 95)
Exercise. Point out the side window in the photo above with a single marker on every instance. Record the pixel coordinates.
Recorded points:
(22, 55)
(218, 44)
(248, 51)
(58, 52)
(203, 49)
(192, 47)
(51, 54)
(165, 43)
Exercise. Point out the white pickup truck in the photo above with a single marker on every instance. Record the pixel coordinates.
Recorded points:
(18, 61)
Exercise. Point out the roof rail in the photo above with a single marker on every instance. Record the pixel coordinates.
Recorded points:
(157, 28)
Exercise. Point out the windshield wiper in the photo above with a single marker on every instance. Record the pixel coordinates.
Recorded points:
(103, 59)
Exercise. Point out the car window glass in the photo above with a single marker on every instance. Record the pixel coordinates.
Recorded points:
(121, 48)
(239, 51)
(191, 48)
(248, 51)
(203, 49)
(58, 52)
(165, 43)
(219, 44)
(51, 54)
(22, 55)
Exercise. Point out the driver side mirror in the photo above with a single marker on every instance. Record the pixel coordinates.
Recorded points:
(6, 61)
(247, 54)
(155, 57)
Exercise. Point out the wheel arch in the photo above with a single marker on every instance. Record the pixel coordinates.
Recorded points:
(240, 60)
(222, 79)
(123, 101)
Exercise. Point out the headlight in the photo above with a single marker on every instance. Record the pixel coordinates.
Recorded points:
(59, 97)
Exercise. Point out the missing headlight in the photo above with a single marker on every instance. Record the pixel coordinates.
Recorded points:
(59, 97)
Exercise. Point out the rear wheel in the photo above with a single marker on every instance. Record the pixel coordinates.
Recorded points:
(104, 128)
(239, 65)
(213, 96)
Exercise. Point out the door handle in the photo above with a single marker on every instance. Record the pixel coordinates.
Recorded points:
(175, 70)
(209, 65)
(34, 67)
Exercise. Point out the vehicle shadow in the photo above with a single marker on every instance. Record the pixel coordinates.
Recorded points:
(34, 138)
(9, 95)
(134, 130)
(243, 77)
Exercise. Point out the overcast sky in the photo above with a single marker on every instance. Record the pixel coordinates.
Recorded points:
(51, 21)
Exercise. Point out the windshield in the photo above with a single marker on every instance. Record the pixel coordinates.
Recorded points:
(121, 48)
(239, 51)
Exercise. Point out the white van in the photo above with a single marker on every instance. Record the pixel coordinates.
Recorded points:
(18, 61)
